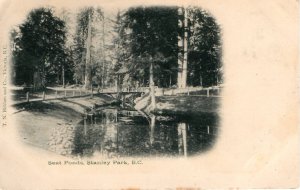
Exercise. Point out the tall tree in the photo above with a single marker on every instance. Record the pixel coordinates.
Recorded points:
(204, 50)
(88, 74)
(40, 48)
(121, 52)
(183, 45)
(87, 48)
(65, 72)
(152, 38)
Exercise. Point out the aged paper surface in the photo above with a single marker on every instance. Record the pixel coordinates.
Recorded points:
(258, 139)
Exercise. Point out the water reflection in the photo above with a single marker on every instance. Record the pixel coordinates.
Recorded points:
(113, 132)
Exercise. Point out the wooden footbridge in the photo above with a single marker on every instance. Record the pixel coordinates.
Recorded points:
(28, 95)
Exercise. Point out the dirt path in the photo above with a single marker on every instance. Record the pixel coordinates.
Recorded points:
(51, 124)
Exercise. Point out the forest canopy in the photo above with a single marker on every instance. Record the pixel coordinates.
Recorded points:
(92, 47)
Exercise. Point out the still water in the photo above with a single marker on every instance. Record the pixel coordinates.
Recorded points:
(115, 132)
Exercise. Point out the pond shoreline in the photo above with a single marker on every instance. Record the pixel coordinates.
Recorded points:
(44, 123)
(79, 106)
(52, 124)
(179, 105)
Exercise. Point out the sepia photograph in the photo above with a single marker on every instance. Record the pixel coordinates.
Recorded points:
(144, 81)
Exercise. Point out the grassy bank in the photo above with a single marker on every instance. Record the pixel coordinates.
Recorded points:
(180, 105)
(186, 105)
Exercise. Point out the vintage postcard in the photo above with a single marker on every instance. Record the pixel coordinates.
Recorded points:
(110, 94)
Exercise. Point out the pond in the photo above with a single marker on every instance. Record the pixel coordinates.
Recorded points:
(116, 132)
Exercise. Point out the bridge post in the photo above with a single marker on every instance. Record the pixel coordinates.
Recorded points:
(207, 92)
(84, 123)
(43, 95)
(188, 91)
(27, 96)
(123, 99)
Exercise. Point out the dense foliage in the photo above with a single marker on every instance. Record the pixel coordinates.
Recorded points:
(39, 50)
(143, 37)
(204, 52)
(150, 34)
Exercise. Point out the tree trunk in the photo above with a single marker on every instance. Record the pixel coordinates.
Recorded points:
(118, 84)
(185, 45)
(152, 90)
(63, 76)
(180, 48)
(103, 46)
(87, 77)
(57, 78)
(182, 52)
(37, 80)
(201, 81)
(43, 77)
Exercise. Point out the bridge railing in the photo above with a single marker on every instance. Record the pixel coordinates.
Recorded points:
(27, 95)
(114, 90)
(189, 91)
(213, 91)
